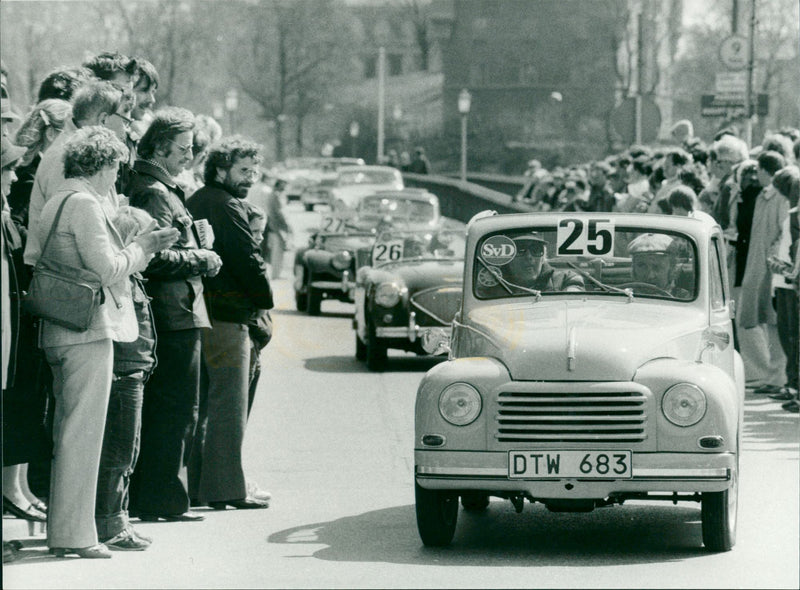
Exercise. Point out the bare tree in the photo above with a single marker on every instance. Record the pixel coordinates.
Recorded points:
(293, 54)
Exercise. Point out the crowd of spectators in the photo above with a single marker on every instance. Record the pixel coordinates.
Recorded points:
(750, 191)
(143, 413)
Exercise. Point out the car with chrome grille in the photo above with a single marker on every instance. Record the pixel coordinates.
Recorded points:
(615, 379)
(355, 182)
(412, 286)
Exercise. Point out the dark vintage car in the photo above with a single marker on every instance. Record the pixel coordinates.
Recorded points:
(327, 268)
(412, 286)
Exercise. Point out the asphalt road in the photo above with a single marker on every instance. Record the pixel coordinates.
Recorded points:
(334, 445)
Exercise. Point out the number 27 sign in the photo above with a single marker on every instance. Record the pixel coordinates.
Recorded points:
(585, 237)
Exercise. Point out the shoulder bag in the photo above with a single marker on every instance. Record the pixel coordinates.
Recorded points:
(60, 293)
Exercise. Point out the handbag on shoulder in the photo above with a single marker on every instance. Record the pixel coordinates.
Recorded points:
(60, 293)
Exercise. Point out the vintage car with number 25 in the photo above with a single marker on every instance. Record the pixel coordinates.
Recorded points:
(412, 286)
(591, 363)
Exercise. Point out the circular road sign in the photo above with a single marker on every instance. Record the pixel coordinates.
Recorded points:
(734, 52)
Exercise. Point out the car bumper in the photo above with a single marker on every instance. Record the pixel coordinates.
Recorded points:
(345, 285)
(411, 332)
(652, 472)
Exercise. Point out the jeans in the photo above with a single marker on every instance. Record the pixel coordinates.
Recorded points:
(120, 450)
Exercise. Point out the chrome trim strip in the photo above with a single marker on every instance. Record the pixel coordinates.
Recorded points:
(638, 474)
(401, 332)
(333, 286)
(468, 471)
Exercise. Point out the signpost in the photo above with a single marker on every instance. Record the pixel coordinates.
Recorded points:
(731, 106)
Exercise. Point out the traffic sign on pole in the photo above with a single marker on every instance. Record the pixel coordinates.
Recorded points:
(734, 53)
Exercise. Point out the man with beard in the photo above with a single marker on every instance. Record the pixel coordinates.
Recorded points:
(171, 395)
(234, 297)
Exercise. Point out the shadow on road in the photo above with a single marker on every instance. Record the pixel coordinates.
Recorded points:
(629, 534)
(349, 364)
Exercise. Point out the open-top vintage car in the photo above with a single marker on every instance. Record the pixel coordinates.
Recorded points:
(592, 362)
(326, 269)
(412, 286)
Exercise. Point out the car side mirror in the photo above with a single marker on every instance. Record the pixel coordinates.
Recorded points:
(436, 341)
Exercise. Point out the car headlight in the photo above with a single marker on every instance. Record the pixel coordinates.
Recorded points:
(341, 260)
(460, 404)
(387, 294)
(684, 404)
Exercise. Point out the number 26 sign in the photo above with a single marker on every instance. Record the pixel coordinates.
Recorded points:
(585, 237)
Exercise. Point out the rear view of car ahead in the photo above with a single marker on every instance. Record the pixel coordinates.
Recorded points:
(592, 362)
(412, 288)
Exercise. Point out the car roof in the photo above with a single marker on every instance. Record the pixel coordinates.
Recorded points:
(699, 229)
(414, 194)
(365, 168)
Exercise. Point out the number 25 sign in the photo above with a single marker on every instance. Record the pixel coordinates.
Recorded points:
(585, 237)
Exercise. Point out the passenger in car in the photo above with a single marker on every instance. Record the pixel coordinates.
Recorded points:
(653, 262)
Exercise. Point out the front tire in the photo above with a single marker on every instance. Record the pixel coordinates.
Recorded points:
(437, 515)
(376, 352)
(361, 349)
(719, 514)
(314, 298)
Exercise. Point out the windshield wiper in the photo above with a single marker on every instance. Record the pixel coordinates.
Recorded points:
(507, 285)
(627, 292)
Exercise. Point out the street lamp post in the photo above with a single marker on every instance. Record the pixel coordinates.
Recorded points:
(231, 104)
(354, 131)
(464, 104)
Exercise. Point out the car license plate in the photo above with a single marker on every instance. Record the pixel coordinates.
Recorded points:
(556, 464)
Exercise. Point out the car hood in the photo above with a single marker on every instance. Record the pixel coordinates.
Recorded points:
(607, 341)
(425, 274)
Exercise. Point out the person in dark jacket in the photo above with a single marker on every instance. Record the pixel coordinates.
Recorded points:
(170, 406)
(235, 297)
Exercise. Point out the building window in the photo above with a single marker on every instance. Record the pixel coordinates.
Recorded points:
(395, 62)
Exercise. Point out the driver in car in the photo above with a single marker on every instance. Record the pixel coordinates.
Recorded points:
(529, 267)
(653, 262)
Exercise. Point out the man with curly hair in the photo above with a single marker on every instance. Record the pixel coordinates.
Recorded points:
(235, 297)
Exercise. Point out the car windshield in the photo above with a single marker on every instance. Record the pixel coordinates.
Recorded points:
(366, 177)
(586, 256)
(399, 246)
(344, 242)
(396, 209)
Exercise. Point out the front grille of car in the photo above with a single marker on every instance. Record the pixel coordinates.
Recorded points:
(571, 417)
(437, 306)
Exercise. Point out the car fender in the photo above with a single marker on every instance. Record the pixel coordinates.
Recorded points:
(723, 404)
(483, 373)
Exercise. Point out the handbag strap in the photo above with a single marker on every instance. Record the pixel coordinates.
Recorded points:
(55, 223)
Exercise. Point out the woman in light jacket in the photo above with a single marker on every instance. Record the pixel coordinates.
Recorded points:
(82, 361)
